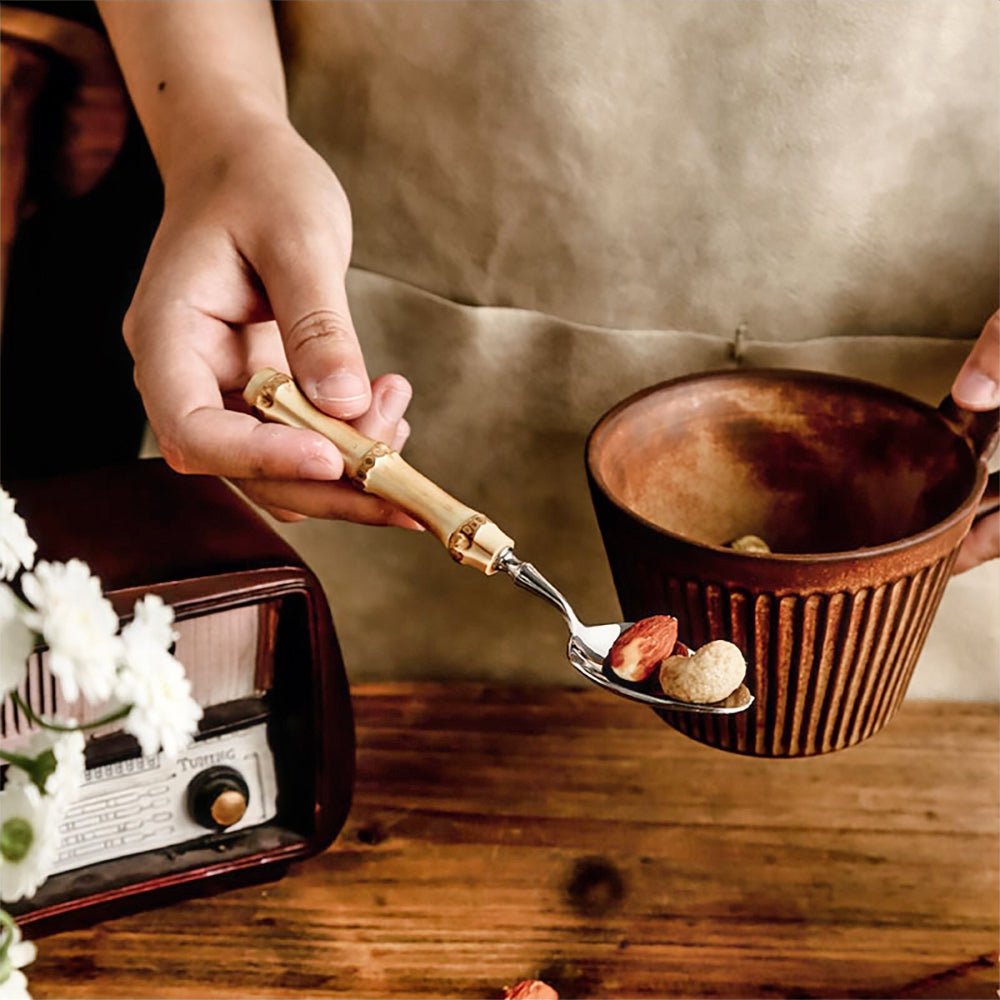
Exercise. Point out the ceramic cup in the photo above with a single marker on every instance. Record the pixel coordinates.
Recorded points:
(863, 494)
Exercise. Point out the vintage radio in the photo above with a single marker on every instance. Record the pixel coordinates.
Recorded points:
(268, 778)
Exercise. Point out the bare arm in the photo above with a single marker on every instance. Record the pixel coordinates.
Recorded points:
(247, 268)
(198, 73)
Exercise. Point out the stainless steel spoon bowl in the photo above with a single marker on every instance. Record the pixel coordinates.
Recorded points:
(589, 646)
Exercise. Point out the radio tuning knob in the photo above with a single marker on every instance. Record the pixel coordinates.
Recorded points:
(218, 797)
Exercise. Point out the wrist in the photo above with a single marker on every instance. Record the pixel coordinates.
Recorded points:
(205, 142)
(207, 151)
(198, 73)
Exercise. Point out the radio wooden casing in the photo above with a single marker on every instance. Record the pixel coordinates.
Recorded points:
(193, 541)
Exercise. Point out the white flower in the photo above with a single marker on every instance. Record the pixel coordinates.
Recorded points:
(64, 783)
(29, 839)
(79, 626)
(17, 548)
(153, 622)
(152, 681)
(16, 641)
(15, 986)
(19, 954)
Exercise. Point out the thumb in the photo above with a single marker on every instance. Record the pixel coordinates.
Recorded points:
(977, 386)
(309, 302)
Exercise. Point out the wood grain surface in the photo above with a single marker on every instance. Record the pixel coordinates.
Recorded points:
(499, 834)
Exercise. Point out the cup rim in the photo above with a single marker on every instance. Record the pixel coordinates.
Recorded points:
(797, 375)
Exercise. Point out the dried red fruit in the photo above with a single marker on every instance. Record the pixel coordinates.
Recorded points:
(637, 652)
(530, 989)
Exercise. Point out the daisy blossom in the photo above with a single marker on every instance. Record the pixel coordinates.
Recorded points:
(78, 625)
(153, 682)
(63, 783)
(17, 548)
(16, 641)
(29, 839)
(14, 986)
(153, 623)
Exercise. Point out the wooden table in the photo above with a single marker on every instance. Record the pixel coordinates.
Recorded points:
(499, 834)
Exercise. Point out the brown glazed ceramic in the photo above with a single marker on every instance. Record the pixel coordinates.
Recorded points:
(864, 495)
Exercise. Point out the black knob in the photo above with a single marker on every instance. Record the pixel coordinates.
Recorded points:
(218, 797)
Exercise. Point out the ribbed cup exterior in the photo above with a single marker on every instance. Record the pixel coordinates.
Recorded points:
(827, 670)
(830, 646)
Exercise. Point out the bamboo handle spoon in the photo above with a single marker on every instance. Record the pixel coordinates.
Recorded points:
(470, 537)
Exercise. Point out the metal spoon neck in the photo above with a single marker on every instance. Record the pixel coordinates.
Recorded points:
(526, 576)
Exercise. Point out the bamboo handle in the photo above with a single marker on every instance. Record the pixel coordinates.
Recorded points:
(470, 537)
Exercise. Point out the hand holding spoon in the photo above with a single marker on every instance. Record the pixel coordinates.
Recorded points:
(469, 536)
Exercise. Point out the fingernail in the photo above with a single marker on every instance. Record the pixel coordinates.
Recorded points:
(344, 387)
(976, 389)
(318, 467)
(393, 403)
(400, 520)
(402, 434)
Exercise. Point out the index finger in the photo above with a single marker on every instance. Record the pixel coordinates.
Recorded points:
(197, 434)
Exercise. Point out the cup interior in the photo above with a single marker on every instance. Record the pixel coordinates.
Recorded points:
(810, 463)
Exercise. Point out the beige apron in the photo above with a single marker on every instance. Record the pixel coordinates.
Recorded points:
(558, 202)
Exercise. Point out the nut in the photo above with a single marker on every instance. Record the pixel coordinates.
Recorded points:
(712, 674)
(750, 543)
(637, 652)
(530, 989)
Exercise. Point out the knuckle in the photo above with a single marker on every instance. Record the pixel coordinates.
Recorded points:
(130, 324)
(263, 450)
(175, 447)
(173, 455)
(322, 327)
